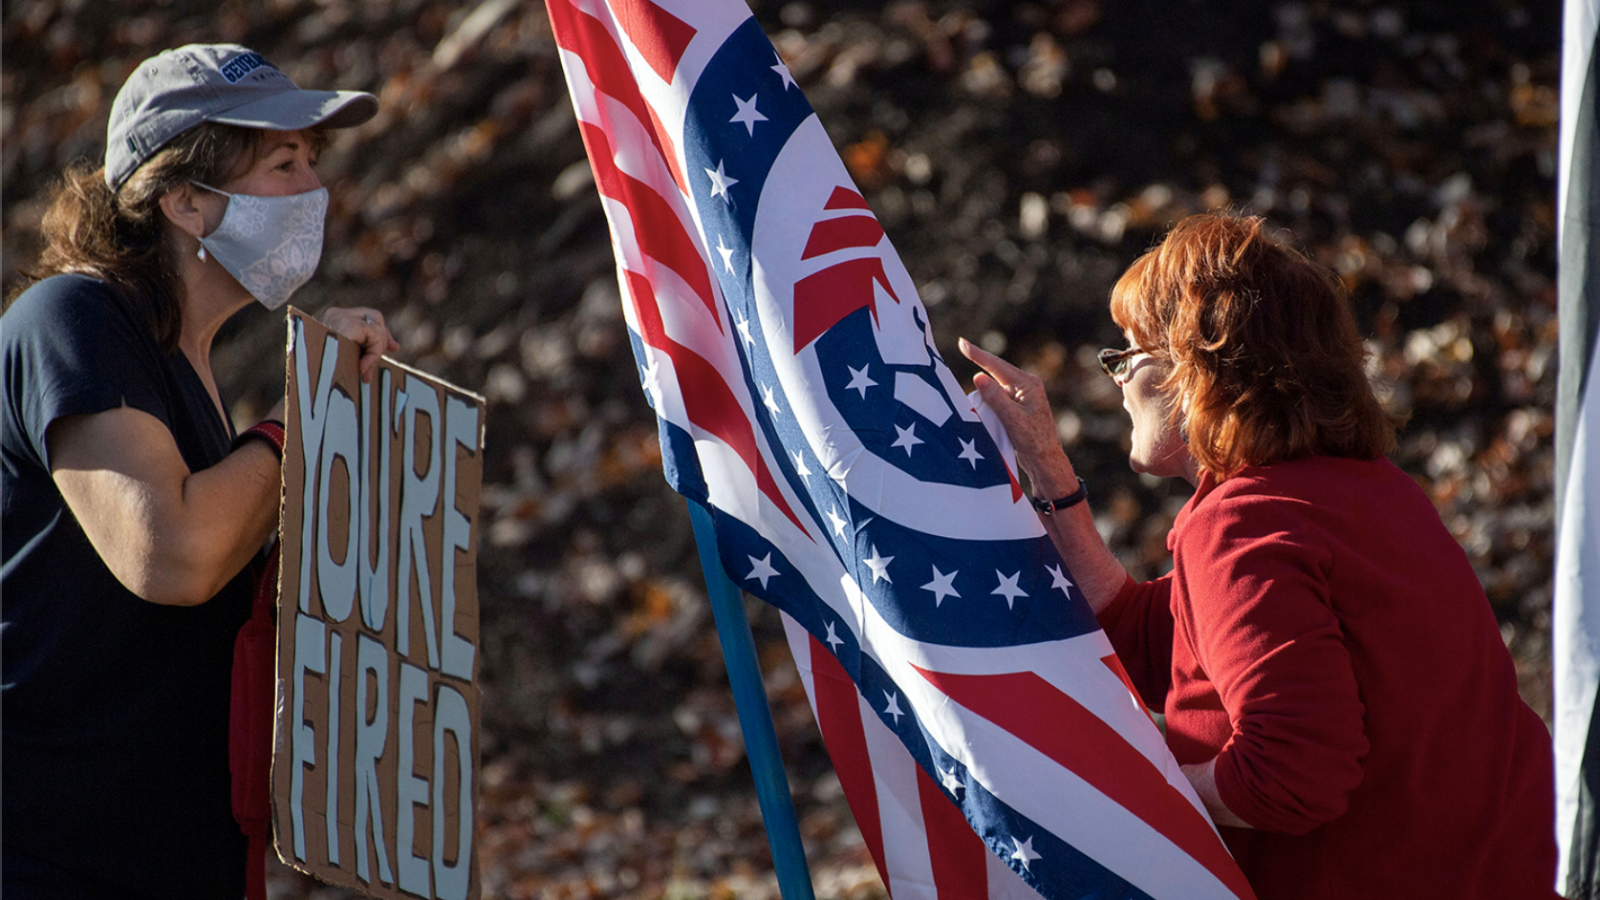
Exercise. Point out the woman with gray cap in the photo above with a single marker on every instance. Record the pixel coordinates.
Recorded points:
(134, 515)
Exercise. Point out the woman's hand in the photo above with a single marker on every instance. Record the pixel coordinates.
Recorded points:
(365, 326)
(1203, 778)
(1019, 402)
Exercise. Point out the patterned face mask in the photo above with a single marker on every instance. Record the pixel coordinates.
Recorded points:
(270, 244)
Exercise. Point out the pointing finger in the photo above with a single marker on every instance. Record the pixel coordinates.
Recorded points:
(998, 369)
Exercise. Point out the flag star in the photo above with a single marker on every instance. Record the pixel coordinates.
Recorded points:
(907, 439)
(727, 255)
(893, 709)
(800, 468)
(833, 638)
(879, 566)
(1008, 588)
(720, 182)
(969, 451)
(652, 380)
(748, 115)
(743, 325)
(950, 781)
(1058, 579)
(859, 380)
(769, 401)
(942, 586)
(838, 523)
(783, 72)
(762, 569)
(1025, 853)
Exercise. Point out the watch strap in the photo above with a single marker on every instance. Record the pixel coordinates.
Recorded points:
(1051, 507)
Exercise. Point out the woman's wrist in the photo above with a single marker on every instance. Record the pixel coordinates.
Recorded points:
(1052, 478)
(268, 431)
(1203, 778)
(1049, 505)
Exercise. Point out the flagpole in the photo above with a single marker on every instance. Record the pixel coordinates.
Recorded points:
(755, 716)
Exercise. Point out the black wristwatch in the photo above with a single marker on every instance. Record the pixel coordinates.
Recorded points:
(1051, 507)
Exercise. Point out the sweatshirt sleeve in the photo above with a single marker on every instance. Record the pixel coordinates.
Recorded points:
(1139, 625)
(1264, 630)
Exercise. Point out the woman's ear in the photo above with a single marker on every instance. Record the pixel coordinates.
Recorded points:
(186, 211)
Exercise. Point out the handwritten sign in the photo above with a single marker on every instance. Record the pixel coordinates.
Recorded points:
(374, 767)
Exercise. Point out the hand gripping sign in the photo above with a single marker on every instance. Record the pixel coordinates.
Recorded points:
(374, 766)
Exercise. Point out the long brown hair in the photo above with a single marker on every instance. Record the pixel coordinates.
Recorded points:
(120, 237)
(1266, 361)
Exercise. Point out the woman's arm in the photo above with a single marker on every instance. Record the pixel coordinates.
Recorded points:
(171, 536)
(1260, 617)
(1018, 400)
(1138, 622)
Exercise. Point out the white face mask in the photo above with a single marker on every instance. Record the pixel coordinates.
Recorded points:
(270, 244)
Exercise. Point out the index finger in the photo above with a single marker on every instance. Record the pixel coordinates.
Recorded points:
(374, 344)
(997, 368)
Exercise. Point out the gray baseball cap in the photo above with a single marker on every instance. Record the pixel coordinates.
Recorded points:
(176, 90)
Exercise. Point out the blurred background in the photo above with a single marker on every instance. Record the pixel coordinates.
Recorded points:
(1020, 155)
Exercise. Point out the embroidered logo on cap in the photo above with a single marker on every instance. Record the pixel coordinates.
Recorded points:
(242, 65)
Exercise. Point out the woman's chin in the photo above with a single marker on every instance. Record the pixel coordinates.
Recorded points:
(1166, 467)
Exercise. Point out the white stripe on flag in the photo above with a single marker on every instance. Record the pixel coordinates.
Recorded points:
(905, 842)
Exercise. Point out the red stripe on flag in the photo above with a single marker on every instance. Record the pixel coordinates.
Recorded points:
(578, 32)
(958, 855)
(822, 298)
(844, 198)
(1115, 665)
(839, 719)
(829, 235)
(1061, 728)
(660, 232)
(660, 36)
(707, 399)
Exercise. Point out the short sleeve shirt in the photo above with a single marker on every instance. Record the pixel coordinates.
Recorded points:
(115, 709)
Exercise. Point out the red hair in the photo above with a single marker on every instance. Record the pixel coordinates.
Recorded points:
(1266, 361)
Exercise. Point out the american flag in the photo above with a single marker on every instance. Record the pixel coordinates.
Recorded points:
(986, 736)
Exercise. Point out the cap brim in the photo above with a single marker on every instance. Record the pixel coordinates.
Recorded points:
(297, 109)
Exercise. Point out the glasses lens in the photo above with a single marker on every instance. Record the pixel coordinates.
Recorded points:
(1115, 362)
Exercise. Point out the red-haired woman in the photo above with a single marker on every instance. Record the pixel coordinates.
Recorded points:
(1334, 682)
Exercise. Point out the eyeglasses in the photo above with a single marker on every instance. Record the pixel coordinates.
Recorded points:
(1116, 363)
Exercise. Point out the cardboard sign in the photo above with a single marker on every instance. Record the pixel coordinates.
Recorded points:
(375, 750)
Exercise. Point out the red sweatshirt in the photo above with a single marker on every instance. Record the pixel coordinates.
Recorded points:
(1325, 638)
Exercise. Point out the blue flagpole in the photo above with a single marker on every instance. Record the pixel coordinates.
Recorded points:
(755, 716)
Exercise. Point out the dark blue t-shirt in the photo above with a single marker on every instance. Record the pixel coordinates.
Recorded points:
(114, 714)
